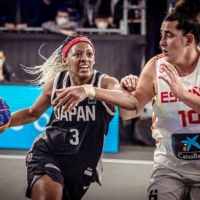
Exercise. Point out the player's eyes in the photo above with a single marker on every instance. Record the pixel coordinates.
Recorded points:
(90, 54)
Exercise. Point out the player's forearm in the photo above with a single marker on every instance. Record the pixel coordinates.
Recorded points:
(120, 98)
(50, 26)
(22, 117)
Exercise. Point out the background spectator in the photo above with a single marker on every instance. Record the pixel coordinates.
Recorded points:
(98, 14)
(105, 14)
(19, 14)
(48, 9)
(6, 74)
(61, 24)
(74, 8)
(90, 10)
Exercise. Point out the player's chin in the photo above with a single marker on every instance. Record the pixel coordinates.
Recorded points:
(85, 75)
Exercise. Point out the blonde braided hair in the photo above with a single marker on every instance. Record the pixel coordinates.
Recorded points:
(51, 66)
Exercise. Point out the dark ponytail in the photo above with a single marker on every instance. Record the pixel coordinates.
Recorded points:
(189, 7)
(187, 13)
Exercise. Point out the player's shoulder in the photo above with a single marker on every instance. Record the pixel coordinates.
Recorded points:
(160, 56)
(109, 79)
(105, 78)
(149, 69)
(151, 64)
(156, 58)
(109, 82)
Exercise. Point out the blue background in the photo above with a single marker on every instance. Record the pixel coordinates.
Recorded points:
(23, 96)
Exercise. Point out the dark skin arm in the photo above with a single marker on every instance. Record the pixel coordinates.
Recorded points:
(28, 115)
(143, 90)
(110, 92)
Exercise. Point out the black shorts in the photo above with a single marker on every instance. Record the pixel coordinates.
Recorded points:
(40, 161)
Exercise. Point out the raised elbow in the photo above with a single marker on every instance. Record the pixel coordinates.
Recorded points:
(135, 104)
(130, 111)
(132, 105)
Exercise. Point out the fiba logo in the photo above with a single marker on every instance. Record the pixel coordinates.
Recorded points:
(1, 119)
(38, 125)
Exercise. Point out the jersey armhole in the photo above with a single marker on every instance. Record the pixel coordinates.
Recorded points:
(104, 104)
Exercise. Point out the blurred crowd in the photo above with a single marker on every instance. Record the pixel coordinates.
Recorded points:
(63, 16)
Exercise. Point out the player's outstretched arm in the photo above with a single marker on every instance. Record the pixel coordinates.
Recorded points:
(28, 115)
(110, 93)
(143, 89)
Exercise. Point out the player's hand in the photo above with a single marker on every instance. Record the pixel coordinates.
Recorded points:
(21, 26)
(10, 26)
(171, 77)
(67, 32)
(129, 82)
(69, 97)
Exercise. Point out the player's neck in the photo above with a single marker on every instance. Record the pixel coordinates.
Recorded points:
(187, 66)
(77, 82)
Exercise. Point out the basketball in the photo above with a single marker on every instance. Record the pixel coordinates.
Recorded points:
(5, 115)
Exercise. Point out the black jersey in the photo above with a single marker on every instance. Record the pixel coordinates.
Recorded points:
(78, 136)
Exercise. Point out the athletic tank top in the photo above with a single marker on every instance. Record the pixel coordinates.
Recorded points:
(176, 127)
(78, 136)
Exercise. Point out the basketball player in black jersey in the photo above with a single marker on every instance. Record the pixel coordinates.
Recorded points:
(65, 159)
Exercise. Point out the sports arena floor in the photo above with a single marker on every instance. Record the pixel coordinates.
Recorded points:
(126, 174)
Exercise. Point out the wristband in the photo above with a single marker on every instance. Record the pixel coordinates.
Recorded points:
(89, 90)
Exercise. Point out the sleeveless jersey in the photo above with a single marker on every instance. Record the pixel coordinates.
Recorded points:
(76, 138)
(176, 127)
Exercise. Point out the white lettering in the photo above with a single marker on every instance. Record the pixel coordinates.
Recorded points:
(75, 135)
(91, 113)
(63, 116)
(73, 112)
(81, 114)
(190, 156)
(84, 113)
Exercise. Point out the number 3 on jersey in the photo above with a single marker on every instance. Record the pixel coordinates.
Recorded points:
(75, 137)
